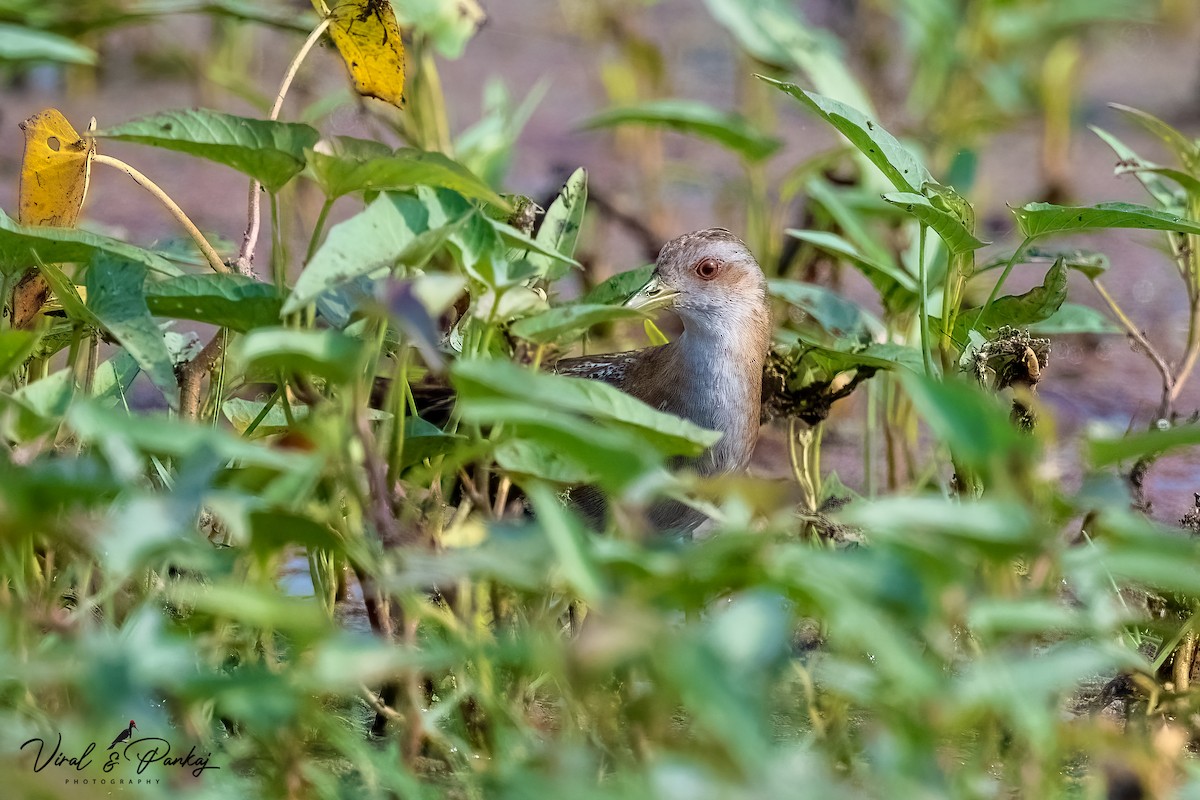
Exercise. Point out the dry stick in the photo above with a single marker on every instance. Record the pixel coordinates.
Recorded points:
(254, 212)
(210, 254)
(1159, 362)
(192, 373)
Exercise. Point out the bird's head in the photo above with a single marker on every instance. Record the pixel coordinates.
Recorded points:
(132, 724)
(708, 278)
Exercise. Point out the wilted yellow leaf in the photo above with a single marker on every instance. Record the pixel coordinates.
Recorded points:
(54, 171)
(368, 37)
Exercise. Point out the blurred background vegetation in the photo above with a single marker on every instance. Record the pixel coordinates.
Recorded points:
(922, 641)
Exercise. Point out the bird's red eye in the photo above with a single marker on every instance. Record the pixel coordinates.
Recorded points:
(707, 269)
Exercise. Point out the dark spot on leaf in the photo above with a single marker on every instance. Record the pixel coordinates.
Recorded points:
(168, 126)
(53, 143)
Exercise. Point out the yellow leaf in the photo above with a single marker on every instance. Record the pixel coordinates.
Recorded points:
(368, 37)
(653, 333)
(54, 171)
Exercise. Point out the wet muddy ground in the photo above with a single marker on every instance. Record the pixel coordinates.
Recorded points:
(1089, 380)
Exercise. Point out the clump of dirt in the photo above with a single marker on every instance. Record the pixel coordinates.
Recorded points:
(1012, 359)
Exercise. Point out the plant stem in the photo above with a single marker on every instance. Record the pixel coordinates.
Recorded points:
(1003, 277)
(210, 254)
(318, 228)
(254, 211)
(1160, 363)
(923, 312)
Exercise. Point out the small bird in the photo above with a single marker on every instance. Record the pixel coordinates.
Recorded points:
(710, 375)
(123, 735)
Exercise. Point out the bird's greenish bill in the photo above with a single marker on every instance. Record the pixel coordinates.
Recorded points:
(655, 294)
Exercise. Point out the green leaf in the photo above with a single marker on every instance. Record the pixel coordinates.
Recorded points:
(21, 246)
(570, 542)
(973, 424)
(559, 230)
(15, 349)
(504, 380)
(1158, 189)
(1074, 318)
(1189, 183)
(620, 287)
(695, 118)
(116, 298)
(563, 322)
(172, 437)
(1038, 304)
(394, 229)
(774, 31)
(1184, 148)
(1044, 219)
(19, 43)
(271, 152)
(353, 166)
(1104, 450)
(896, 162)
(836, 316)
(872, 270)
(322, 352)
(946, 225)
(225, 300)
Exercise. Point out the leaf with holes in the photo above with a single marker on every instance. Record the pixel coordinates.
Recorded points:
(271, 152)
(55, 171)
(368, 37)
(560, 227)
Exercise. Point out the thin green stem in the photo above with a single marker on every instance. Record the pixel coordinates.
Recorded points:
(318, 229)
(923, 311)
(1003, 277)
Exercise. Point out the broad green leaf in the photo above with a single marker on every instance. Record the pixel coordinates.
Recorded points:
(523, 457)
(271, 152)
(155, 434)
(116, 298)
(1038, 304)
(607, 455)
(527, 246)
(570, 542)
(946, 225)
(874, 356)
(695, 118)
(1186, 150)
(352, 167)
(836, 316)
(973, 424)
(15, 349)
(1074, 318)
(503, 380)
(21, 246)
(620, 287)
(896, 162)
(1090, 263)
(940, 521)
(323, 352)
(564, 321)
(1044, 219)
(225, 300)
(560, 227)
(394, 229)
(19, 43)
(836, 245)
(1103, 450)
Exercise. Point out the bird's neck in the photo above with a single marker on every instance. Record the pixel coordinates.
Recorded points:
(721, 367)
